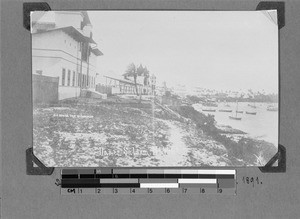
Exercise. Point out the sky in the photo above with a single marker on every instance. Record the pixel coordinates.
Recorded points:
(209, 49)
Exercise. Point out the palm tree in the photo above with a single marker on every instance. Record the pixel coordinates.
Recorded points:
(146, 74)
(131, 71)
(140, 70)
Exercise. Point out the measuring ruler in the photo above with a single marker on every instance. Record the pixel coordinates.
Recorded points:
(147, 181)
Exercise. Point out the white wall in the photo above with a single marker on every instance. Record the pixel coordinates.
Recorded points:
(93, 60)
(68, 92)
(58, 40)
(55, 50)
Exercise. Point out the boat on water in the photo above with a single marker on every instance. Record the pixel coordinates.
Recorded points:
(208, 110)
(210, 104)
(225, 110)
(235, 117)
(272, 108)
(251, 113)
(252, 105)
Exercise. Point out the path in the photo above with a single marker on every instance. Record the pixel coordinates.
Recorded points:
(176, 154)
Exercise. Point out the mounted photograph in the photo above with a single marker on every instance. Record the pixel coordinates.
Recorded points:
(158, 88)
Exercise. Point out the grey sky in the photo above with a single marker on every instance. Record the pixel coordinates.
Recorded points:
(218, 50)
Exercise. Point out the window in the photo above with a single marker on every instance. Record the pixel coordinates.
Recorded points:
(78, 79)
(73, 83)
(69, 77)
(63, 76)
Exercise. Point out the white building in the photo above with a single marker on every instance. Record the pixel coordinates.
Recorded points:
(126, 85)
(63, 47)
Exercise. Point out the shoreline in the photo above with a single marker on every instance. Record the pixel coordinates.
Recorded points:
(240, 146)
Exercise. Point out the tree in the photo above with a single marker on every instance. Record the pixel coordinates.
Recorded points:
(140, 70)
(146, 74)
(131, 71)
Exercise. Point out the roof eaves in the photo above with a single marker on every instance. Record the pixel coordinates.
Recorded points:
(72, 31)
(122, 80)
(97, 52)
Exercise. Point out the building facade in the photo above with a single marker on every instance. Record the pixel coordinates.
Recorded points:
(120, 85)
(63, 47)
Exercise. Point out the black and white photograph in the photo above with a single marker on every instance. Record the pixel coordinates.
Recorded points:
(157, 88)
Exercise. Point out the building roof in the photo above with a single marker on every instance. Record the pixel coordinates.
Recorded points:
(122, 80)
(97, 52)
(72, 31)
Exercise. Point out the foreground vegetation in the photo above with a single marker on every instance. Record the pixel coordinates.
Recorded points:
(84, 132)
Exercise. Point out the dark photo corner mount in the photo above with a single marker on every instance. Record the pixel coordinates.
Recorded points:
(35, 167)
(32, 6)
(280, 156)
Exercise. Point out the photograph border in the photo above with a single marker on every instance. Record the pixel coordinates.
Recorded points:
(276, 164)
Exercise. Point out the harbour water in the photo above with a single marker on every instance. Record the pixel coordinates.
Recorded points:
(262, 126)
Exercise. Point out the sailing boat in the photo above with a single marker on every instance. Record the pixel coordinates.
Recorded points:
(250, 112)
(225, 109)
(208, 110)
(236, 112)
(252, 105)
